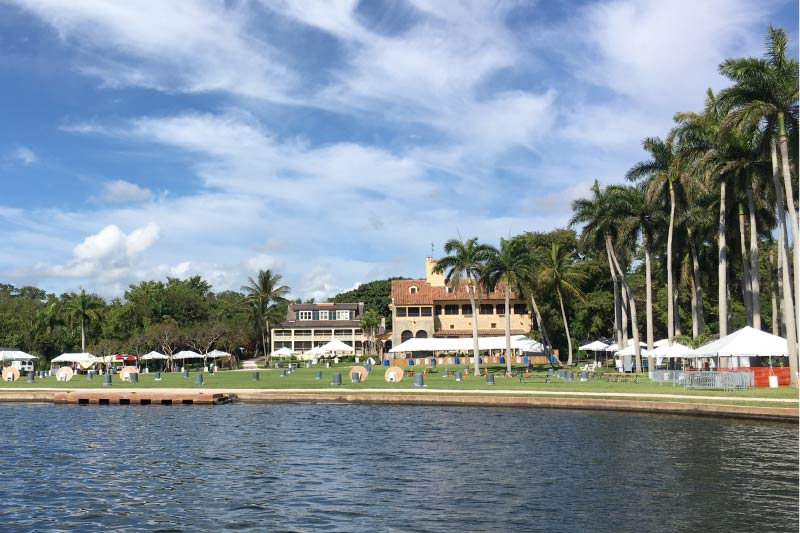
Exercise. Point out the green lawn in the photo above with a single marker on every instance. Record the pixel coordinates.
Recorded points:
(303, 378)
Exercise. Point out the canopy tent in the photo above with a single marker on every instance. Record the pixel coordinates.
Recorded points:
(217, 353)
(660, 343)
(747, 342)
(187, 354)
(335, 346)
(15, 355)
(117, 357)
(676, 350)
(284, 351)
(631, 350)
(153, 355)
(595, 346)
(75, 358)
(615, 347)
(434, 344)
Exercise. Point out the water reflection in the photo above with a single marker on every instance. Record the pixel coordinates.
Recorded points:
(372, 468)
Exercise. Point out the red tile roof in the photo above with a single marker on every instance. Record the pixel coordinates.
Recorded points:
(427, 295)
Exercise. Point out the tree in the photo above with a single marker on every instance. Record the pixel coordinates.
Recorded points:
(375, 295)
(370, 321)
(84, 309)
(263, 293)
(466, 259)
(509, 266)
(558, 274)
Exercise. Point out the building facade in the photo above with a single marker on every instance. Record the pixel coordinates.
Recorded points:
(310, 325)
(427, 307)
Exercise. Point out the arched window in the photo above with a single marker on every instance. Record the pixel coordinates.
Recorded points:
(412, 289)
(421, 334)
(406, 335)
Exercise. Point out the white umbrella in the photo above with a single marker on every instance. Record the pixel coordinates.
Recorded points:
(284, 351)
(595, 346)
(630, 350)
(662, 342)
(153, 355)
(217, 353)
(335, 346)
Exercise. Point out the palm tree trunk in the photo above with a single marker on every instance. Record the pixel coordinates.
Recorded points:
(747, 288)
(540, 324)
(624, 300)
(670, 301)
(677, 309)
(566, 326)
(617, 302)
(773, 285)
(629, 295)
(83, 336)
(648, 293)
(697, 292)
(787, 304)
(722, 267)
(508, 330)
(755, 278)
(793, 217)
(475, 349)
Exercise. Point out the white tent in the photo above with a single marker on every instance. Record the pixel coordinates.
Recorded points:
(284, 351)
(518, 342)
(747, 342)
(595, 346)
(631, 350)
(75, 358)
(615, 347)
(676, 350)
(187, 354)
(660, 343)
(335, 346)
(153, 355)
(16, 355)
(217, 353)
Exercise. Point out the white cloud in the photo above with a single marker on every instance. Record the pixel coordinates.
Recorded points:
(262, 262)
(124, 191)
(24, 155)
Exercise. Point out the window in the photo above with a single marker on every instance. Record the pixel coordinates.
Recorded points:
(302, 345)
(342, 315)
(494, 325)
(466, 310)
(342, 332)
(282, 333)
(412, 290)
(357, 331)
(304, 315)
(323, 315)
(520, 309)
(302, 332)
(450, 290)
(421, 334)
(323, 333)
(406, 335)
(401, 311)
(427, 311)
(486, 309)
(451, 309)
(438, 309)
(413, 311)
(501, 309)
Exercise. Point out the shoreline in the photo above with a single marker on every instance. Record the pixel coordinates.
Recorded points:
(619, 402)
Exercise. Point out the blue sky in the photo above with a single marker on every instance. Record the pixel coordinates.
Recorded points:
(331, 141)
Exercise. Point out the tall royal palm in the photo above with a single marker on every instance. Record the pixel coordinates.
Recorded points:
(84, 309)
(509, 266)
(662, 171)
(557, 272)
(766, 89)
(263, 292)
(466, 260)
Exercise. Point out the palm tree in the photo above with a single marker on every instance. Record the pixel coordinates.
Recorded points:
(591, 212)
(663, 171)
(83, 308)
(766, 89)
(369, 323)
(558, 274)
(528, 283)
(466, 259)
(263, 293)
(509, 266)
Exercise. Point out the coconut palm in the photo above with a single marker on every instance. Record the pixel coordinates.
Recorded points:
(662, 172)
(557, 273)
(528, 285)
(509, 266)
(466, 259)
(84, 309)
(263, 293)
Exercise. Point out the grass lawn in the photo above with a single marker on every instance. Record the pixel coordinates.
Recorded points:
(303, 378)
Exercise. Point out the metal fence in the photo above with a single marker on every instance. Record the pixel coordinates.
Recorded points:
(728, 380)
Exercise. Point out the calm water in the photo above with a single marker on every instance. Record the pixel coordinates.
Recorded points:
(369, 468)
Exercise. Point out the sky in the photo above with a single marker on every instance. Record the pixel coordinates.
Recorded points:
(334, 142)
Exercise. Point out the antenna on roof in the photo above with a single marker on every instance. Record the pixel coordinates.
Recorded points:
(431, 249)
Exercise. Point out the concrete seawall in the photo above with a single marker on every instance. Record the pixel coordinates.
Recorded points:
(791, 413)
